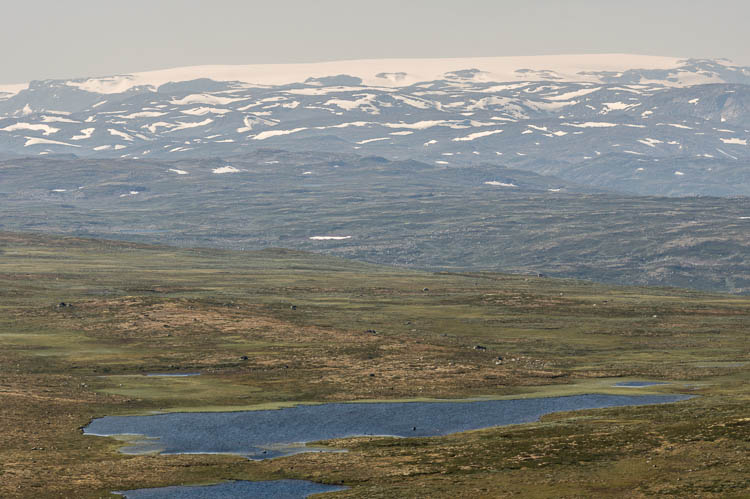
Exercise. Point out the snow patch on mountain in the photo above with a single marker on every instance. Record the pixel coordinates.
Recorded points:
(9, 90)
(225, 169)
(616, 106)
(45, 129)
(329, 238)
(571, 95)
(650, 142)
(477, 135)
(204, 99)
(736, 141)
(275, 133)
(201, 111)
(143, 114)
(592, 124)
(364, 102)
(86, 133)
(57, 119)
(35, 141)
(367, 141)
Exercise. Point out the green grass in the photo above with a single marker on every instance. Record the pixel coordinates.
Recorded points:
(140, 309)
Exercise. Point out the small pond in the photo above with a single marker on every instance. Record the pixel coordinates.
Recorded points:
(277, 489)
(639, 384)
(265, 434)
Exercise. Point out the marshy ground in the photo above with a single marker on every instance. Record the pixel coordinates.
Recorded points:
(271, 328)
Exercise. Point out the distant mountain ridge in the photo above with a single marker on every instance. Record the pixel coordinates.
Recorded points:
(637, 124)
(593, 68)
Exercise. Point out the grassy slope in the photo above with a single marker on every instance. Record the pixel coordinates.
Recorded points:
(141, 309)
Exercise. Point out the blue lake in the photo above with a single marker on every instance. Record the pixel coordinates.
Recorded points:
(277, 489)
(272, 433)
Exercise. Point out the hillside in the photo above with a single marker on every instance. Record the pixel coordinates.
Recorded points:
(406, 213)
(84, 320)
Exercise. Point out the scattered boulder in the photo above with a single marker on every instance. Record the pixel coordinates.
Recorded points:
(371, 331)
(480, 348)
(424, 290)
(293, 307)
(244, 357)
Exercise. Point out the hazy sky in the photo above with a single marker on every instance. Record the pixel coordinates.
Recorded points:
(60, 39)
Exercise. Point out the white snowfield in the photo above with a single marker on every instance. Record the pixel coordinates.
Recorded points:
(330, 238)
(394, 72)
(477, 135)
(276, 133)
(35, 141)
(592, 124)
(9, 90)
(222, 169)
(739, 142)
(45, 129)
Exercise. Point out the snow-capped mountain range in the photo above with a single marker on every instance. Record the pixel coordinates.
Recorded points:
(684, 121)
(527, 164)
